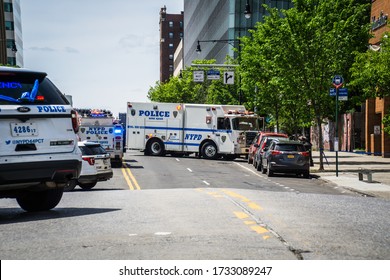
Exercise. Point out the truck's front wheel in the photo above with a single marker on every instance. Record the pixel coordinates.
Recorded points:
(155, 148)
(209, 150)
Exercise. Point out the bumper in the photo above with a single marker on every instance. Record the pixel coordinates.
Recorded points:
(44, 171)
(290, 168)
(87, 179)
(104, 176)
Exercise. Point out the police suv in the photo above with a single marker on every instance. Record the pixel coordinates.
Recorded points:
(38, 142)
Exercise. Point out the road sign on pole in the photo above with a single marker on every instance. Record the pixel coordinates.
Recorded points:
(228, 78)
(199, 76)
(213, 74)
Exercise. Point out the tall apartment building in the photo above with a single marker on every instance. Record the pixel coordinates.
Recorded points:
(171, 32)
(11, 44)
(220, 20)
(378, 142)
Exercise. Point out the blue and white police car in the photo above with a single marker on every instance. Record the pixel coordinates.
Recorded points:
(38, 141)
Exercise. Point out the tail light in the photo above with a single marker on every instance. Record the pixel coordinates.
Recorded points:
(305, 154)
(276, 153)
(90, 160)
(75, 121)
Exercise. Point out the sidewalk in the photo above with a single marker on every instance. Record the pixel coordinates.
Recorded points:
(348, 166)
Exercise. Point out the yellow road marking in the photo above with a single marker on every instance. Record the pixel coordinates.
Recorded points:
(254, 206)
(131, 181)
(241, 215)
(259, 229)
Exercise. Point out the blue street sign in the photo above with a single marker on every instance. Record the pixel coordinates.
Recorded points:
(343, 91)
(337, 80)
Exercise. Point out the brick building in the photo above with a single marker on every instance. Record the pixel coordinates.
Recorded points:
(377, 142)
(171, 32)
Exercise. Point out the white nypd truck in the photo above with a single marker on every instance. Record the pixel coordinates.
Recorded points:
(99, 126)
(209, 131)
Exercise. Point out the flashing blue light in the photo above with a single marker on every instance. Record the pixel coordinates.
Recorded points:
(117, 130)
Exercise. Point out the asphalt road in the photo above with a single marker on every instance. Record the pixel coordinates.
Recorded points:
(186, 208)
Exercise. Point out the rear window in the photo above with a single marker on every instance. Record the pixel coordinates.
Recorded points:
(290, 147)
(29, 89)
(91, 150)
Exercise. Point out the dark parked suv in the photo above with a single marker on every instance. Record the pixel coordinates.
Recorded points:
(285, 156)
(38, 142)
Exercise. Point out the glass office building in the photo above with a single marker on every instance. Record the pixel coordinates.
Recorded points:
(221, 21)
(11, 44)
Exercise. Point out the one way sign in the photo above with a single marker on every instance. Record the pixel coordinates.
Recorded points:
(228, 78)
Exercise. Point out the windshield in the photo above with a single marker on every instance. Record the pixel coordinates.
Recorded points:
(22, 90)
(245, 123)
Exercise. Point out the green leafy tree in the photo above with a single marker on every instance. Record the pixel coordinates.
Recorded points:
(371, 74)
(292, 58)
(184, 90)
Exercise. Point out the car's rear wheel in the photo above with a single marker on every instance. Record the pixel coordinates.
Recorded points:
(258, 166)
(87, 186)
(270, 173)
(263, 170)
(70, 185)
(32, 201)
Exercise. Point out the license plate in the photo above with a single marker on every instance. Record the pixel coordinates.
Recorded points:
(24, 129)
(290, 156)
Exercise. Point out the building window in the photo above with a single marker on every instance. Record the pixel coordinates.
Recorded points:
(8, 7)
(170, 35)
(171, 24)
(181, 24)
(170, 68)
(11, 60)
(171, 57)
(9, 25)
(171, 46)
(181, 34)
(10, 43)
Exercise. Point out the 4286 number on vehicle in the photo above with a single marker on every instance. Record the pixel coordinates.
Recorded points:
(24, 129)
(241, 270)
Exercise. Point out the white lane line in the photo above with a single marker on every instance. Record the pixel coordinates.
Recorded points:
(207, 183)
(177, 159)
(189, 169)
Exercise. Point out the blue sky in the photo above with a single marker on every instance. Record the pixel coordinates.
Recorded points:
(103, 53)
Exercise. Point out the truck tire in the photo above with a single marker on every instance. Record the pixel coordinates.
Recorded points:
(155, 147)
(209, 150)
(70, 185)
(87, 186)
(40, 201)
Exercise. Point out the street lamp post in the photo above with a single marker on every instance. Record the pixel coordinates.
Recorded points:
(247, 12)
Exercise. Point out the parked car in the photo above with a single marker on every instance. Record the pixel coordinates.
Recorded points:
(96, 166)
(264, 144)
(284, 156)
(256, 142)
(38, 144)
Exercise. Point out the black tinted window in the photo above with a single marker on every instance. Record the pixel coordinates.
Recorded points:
(290, 147)
(91, 150)
(14, 88)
